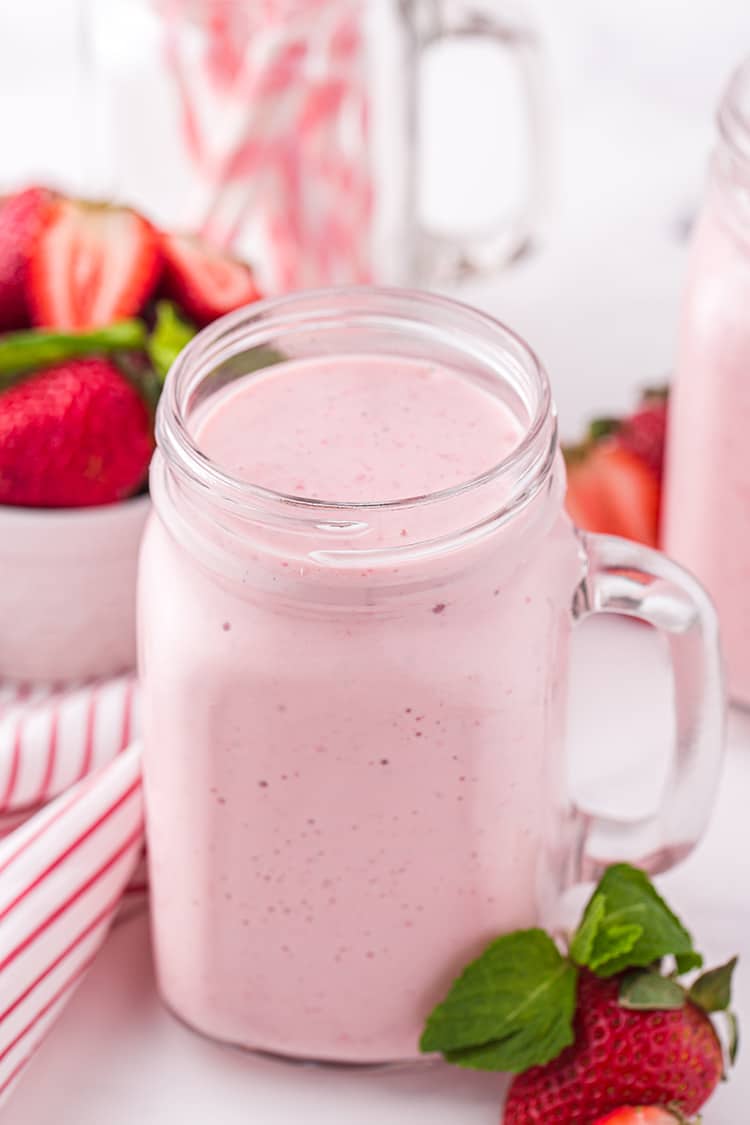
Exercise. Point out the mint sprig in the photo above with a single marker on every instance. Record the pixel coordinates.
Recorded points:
(628, 925)
(513, 1007)
(517, 998)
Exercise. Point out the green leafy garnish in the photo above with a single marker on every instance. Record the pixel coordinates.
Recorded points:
(513, 1007)
(170, 335)
(24, 352)
(642, 990)
(510, 1009)
(635, 928)
(684, 962)
(713, 990)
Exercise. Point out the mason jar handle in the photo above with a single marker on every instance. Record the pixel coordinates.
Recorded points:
(629, 579)
(443, 257)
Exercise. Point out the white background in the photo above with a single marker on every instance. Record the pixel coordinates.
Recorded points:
(633, 88)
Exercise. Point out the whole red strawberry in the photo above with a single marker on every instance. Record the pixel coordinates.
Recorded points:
(75, 435)
(619, 1057)
(21, 217)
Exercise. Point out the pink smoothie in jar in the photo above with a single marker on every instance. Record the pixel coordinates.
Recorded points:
(353, 709)
(356, 595)
(707, 497)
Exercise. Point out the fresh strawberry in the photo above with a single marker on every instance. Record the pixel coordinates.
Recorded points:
(642, 1115)
(21, 216)
(644, 433)
(611, 490)
(614, 476)
(74, 435)
(91, 264)
(203, 281)
(620, 1056)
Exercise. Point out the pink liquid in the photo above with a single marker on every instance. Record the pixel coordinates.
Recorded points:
(707, 503)
(353, 769)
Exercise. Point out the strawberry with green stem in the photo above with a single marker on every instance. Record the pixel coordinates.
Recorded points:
(597, 1026)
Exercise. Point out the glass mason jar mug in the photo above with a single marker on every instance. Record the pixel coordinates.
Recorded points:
(354, 711)
(294, 131)
(707, 489)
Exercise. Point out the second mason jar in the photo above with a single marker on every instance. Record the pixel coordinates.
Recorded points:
(296, 131)
(707, 498)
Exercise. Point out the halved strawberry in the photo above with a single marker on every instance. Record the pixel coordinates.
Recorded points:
(203, 281)
(642, 1115)
(610, 490)
(91, 264)
(21, 216)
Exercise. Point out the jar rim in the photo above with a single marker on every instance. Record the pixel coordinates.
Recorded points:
(248, 326)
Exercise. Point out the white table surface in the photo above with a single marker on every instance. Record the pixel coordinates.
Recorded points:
(633, 94)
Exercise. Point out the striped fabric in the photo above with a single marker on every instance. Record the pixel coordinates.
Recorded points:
(75, 861)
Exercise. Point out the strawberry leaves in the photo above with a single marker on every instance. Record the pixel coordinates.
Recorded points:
(22, 353)
(510, 1009)
(713, 990)
(513, 1007)
(643, 991)
(628, 925)
(713, 993)
(170, 335)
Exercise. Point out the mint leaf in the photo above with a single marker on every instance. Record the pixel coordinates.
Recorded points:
(582, 945)
(687, 961)
(618, 939)
(642, 990)
(510, 1009)
(635, 929)
(170, 335)
(713, 990)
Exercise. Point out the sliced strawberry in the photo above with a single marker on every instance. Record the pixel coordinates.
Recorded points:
(91, 264)
(610, 490)
(203, 281)
(21, 217)
(642, 1115)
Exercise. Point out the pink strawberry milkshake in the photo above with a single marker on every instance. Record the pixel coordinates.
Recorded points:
(353, 715)
(707, 490)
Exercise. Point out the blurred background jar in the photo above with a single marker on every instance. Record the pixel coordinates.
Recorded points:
(707, 501)
(316, 138)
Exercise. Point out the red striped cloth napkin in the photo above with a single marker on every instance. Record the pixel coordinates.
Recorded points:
(65, 872)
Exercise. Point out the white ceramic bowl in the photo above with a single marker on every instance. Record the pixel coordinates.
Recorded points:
(67, 590)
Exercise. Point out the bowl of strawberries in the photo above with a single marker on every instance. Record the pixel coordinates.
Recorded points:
(95, 303)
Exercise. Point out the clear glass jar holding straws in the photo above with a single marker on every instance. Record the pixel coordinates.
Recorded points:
(289, 130)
